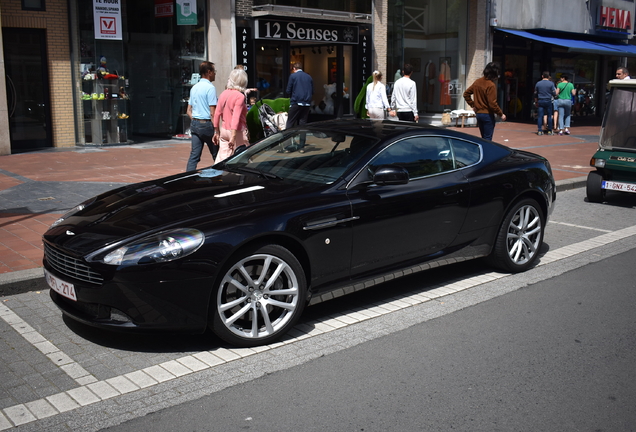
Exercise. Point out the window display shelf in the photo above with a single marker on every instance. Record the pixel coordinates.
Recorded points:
(188, 69)
(106, 111)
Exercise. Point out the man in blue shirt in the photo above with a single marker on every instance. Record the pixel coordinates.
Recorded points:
(544, 91)
(201, 107)
(301, 91)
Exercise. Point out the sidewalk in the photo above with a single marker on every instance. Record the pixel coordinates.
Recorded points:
(36, 188)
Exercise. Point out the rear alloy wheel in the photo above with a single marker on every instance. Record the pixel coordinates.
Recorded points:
(595, 193)
(260, 297)
(520, 237)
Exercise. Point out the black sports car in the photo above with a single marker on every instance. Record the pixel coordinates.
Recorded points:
(241, 247)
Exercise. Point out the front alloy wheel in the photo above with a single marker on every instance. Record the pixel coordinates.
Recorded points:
(520, 237)
(260, 297)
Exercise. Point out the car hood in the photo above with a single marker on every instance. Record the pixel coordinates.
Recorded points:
(185, 200)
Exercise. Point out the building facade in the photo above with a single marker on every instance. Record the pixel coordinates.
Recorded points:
(585, 40)
(104, 72)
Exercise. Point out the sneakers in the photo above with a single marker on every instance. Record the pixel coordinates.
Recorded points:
(560, 133)
(567, 132)
(550, 132)
(540, 133)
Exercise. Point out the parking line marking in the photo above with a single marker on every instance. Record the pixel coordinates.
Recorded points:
(99, 390)
(4, 422)
(41, 408)
(580, 226)
(72, 368)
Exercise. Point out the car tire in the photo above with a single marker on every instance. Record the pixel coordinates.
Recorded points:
(265, 282)
(520, 237)
(595, 193)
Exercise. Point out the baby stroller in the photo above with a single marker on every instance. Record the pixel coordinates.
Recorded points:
(267, 116)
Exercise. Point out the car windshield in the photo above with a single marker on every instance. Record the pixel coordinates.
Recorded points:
(323, 158)
(619, 124)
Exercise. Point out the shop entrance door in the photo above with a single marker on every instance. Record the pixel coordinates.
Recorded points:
(27, 88)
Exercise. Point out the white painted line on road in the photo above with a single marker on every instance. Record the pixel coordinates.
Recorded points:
(586, 245)
(96, 391)
(580, 226)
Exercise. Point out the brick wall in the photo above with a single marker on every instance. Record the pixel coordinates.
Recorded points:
(244, 8)
(380, 36)
(55, 21)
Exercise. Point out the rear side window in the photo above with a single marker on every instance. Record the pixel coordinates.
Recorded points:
(465, 153)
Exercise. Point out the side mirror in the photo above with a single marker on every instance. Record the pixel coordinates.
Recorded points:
(390, 175)
(240, 149)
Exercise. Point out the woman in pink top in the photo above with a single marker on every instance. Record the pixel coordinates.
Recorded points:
(230, 115)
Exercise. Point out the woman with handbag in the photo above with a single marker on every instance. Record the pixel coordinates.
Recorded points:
(377, 102)
(230, 116)
(565, 90)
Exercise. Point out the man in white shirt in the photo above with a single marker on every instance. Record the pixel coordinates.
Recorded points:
(404, 96)
(622, 73)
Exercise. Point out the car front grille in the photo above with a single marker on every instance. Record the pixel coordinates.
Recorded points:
(70, 266)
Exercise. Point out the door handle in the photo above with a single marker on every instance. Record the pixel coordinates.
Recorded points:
(453, 192)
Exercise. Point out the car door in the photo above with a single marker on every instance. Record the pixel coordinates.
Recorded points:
(401, 223)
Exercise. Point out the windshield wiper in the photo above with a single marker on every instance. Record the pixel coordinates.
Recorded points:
(254, 171)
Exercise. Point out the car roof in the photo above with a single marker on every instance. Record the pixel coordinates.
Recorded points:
(379, 129)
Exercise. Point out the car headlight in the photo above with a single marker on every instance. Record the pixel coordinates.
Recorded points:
(161, 247)
(598, 163)
(74, 210)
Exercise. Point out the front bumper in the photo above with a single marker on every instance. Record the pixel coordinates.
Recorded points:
(160, 299)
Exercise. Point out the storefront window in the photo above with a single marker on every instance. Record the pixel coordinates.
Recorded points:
(582, 71)
(431, 36)
(270, 70)
(138, 85)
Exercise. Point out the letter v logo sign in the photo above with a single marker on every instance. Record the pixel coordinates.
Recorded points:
(107, 25)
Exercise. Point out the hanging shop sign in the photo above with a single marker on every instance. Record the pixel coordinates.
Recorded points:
(306, 31)
(107, 19)
(186, 12)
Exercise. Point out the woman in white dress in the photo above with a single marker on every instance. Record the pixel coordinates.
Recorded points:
(377, 102)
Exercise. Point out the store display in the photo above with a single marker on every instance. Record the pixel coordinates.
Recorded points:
(189, 64)
(105, 107)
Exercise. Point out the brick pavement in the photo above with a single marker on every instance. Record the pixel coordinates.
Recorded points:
(38, 187)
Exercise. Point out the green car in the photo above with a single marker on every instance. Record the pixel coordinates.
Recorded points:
(615, 159)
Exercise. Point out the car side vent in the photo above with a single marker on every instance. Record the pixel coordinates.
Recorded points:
(70, 266)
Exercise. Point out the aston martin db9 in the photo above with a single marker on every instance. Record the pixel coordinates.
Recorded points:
(242, 247)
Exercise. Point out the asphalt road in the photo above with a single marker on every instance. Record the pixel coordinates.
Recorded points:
(558, 355)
